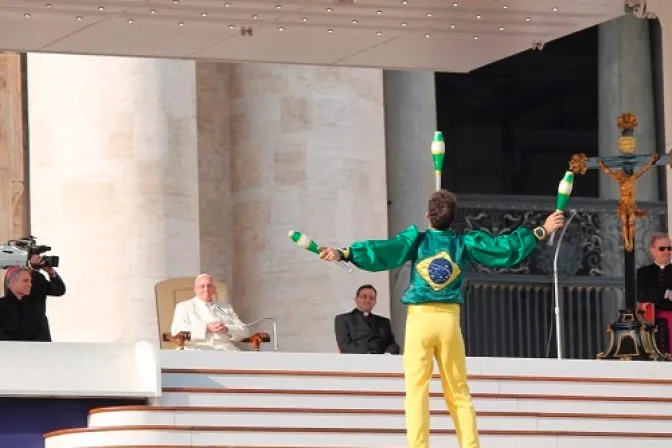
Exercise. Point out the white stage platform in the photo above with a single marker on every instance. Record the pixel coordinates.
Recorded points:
(268, 399)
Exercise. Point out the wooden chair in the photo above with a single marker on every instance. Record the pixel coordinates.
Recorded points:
(174, 290)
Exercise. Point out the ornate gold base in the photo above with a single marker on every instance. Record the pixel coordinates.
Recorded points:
(631, 337)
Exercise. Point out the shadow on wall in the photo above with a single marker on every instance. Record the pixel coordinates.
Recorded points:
(26, 420)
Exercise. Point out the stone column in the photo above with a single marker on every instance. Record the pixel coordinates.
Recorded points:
(14, 196)
(626, 85)
(663, 10)
(114, 187)
(214, 171)
(308, 154)
(410, 122)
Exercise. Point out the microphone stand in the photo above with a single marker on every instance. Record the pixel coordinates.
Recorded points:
(556, 284)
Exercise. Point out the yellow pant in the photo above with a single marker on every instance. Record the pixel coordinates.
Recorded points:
(433, 331)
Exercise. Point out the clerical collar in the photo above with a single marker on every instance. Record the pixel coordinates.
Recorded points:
(663, 266)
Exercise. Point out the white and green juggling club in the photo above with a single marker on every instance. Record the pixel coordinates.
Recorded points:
(438, 154)
(304, 241)
(564, 191)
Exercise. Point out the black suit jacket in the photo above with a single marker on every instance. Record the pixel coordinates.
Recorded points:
(34, 308)
(354, 335)
(648, 289)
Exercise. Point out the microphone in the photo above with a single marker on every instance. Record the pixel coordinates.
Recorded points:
(564, 191)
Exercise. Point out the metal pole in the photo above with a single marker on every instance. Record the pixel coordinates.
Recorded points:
(558, 331)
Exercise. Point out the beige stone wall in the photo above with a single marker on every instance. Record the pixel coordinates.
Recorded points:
(114, 187)
(13, 193)
(307, 154)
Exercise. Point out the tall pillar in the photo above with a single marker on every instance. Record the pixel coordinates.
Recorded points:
(307, 154)
(214, 172)
(626, 85)
(114, 187)
(410, 122)
(14, 196)
(662, 9)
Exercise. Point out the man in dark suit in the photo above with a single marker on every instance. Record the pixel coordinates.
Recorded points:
(361, 331)
(36, 299)
(654, 285)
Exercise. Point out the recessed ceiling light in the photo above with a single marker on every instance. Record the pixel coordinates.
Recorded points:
(478, 16)
(48, 5)
(403, 23)
(78, 17)
(304, 19)
(429, 14)
(555, 9)
(426, 36)
(231, 27)
(527, 19)
(130, 20)
(176, 1)
(501, 28)
(379, 12)
(26, 15)
(255, 17)
(455, 5)
(452, 26)
(204, 14)
(475, 37)
(101, 8)
(153, 11)
(278, 6)
(328, 9)
(505, 7)
(226, 5)
(330, 31)
(404, 2)
(180, 23)
(379, 33)
(281, 29)
(355, 22)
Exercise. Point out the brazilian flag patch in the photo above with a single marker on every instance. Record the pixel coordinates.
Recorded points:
(438, 271)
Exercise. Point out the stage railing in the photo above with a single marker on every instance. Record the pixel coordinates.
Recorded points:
(513, 315)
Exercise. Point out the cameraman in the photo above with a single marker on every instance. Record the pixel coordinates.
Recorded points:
(41, 288)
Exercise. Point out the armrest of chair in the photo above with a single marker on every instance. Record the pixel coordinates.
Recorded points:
(260, 337)
(648, 310)
(256, 340)
(180, 338)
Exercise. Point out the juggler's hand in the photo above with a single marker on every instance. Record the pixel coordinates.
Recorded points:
(330, 254)
(554, 222)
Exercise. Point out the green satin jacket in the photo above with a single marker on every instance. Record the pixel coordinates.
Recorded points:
(438, 258)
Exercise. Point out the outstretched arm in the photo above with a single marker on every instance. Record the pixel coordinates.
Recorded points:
(377, 255)
(508, 250)
(647, 167)
(606, 169)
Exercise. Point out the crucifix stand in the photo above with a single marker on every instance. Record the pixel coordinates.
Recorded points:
(632, 337)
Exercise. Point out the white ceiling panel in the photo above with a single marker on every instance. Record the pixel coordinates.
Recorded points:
(441, 35)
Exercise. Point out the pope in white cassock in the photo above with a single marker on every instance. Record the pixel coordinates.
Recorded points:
(213, 325)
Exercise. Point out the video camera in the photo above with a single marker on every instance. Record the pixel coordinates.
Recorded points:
(18, 253)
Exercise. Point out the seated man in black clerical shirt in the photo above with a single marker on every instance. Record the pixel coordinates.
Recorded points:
(361, 331)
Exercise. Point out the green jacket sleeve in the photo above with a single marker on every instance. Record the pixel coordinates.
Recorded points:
(384, 255)
(502, 251)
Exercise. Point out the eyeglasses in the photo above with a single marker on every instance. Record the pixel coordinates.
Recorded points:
(664, 248)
